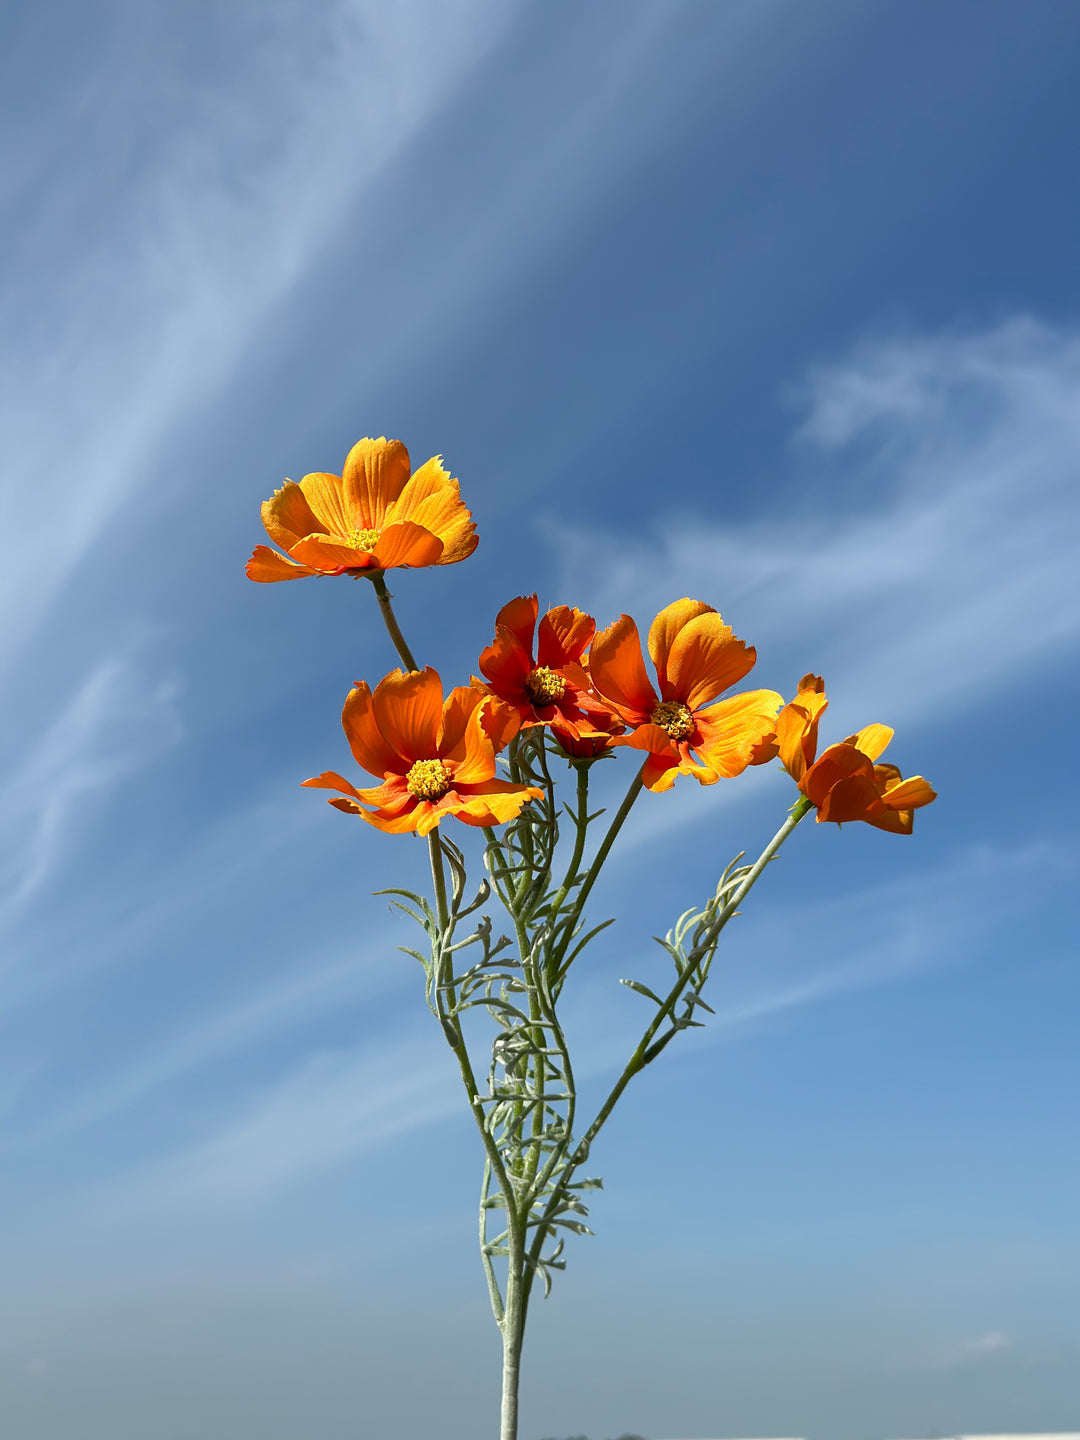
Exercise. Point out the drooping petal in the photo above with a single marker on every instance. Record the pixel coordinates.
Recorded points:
(839, 762)
(330, 554)
(705, 659)
(652, 738)
(323, 495)
(658, 773)
(267, 566)
(389, 824)
(494, 802)
(407, 544)
(852, 798)
(408, 710)
(366, 741)
(563, 636)
(732, 730)
(432, 498)
(896, 822)
(375, 473)
(331, 780)
(618, 673)
(871, 740)
(665, 628)
(288, 517)
(908, 794)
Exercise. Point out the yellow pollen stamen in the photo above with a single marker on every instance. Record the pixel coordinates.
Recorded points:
(428, 779)
(675, 718)
(543, 686)
(363, 539)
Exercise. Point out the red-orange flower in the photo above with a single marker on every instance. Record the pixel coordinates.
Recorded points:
(697, 657)
(846, 784)
(375, 516)
(548, 686)
(435, 758)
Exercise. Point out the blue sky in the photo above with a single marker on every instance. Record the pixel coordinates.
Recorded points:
(769, 304)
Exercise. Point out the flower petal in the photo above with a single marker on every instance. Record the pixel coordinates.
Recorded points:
(407, 544)
(871, 740)
(267, 565)
(408, 709)
(432, 498)
(665, 628)
(323, 495)
(331, 780)
(389, 824)
(519, 617)
(330, 555)
(375, 473)
(909, 794)
(506, 663)
(366, 741)
(839, 762)
(617, 668)
(288, 517)
(705, 659)
(732, 730)
(563, 636)
(477, 764)
(853, 798)
(797, 726)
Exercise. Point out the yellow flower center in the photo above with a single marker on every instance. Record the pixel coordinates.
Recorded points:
(363, 539)
(543, 686)
(428, 779)
(675, 718)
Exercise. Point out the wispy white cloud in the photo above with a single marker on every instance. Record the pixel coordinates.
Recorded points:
(118, 721)
(235, 184)
(919, 544)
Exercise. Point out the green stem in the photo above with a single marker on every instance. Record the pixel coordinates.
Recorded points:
(637, 1061)
(390, 621)
(596, 866)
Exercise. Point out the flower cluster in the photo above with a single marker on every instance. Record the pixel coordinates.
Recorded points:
(436, 757)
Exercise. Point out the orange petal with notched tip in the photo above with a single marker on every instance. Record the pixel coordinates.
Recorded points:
(563, 636)
(350, 807)
(658, 773)
(408, 711)
(797, 726)
(366, 740)
(665, 629)
(331, 554)
(288, 517)
(375, 473)
(732, 730)
(871, 740)
(389, 824)
(853, 798)
(267, 566)
(331, 780)
(323, 494)
(495, 801)
(519, 617)
(407, 544)
(617, 668)
(477, 764)
(705, 659)
(909, 794)
(432, 498)
(897, 822)
(652, 738)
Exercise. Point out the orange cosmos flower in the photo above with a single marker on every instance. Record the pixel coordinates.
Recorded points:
(846, 784)
(435, 758)
(551, 688)
(696, 657)
(373, 517)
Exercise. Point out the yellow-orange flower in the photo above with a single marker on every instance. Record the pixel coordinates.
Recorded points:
(697, 657)
(545, 679)
(374, 516)
(846, 784)
(435, 757)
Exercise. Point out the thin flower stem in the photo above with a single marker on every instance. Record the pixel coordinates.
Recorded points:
(390, 621)
(597, 865)
(637, 1061)
(438, 876)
